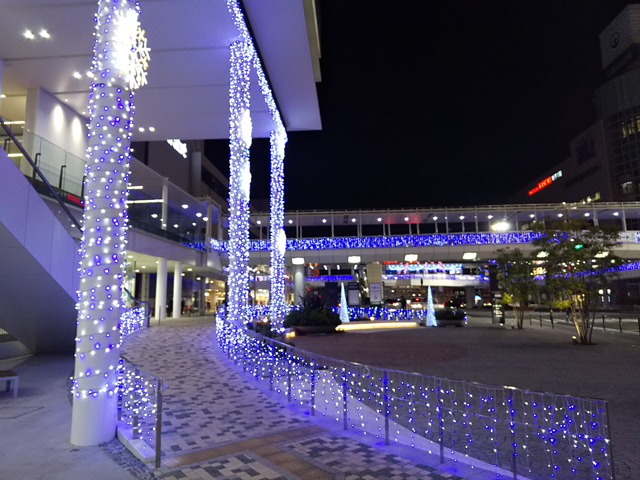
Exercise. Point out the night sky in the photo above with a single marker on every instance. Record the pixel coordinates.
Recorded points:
(427, 103)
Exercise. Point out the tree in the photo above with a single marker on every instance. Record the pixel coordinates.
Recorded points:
(516, 280)
(578, 260)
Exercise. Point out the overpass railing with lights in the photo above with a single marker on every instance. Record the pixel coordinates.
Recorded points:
(518, 432)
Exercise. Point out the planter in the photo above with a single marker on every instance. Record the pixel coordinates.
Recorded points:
(450, 322)
(307, 330)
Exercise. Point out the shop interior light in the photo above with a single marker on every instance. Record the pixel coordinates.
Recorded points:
(297, 260)
(469, 255)
(354, 259)
(543, 255)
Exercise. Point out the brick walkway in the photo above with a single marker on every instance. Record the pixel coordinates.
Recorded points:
(217, 424)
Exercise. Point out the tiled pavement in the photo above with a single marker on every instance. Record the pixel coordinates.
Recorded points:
(216, 424)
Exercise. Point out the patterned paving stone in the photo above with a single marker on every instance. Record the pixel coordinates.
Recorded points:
(233, 467)
(358, 461)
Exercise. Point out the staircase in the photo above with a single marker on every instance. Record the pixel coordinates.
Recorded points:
(38, 267)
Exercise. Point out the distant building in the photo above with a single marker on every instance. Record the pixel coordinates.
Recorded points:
(604, 160)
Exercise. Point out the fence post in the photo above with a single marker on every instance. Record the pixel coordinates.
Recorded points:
(513, 436)
(441, 423)
(387, 407)
(313, 387)
(604, 327)
(288, 376)
(159, 385)
(135, 405)
(344, 397)
(620, 322)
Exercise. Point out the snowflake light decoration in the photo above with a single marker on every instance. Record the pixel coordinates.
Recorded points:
(131, 53)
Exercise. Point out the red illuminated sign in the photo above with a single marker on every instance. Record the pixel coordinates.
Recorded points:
(547, 181)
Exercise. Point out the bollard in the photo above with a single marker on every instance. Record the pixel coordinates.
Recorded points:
(604, 327)
(552, 327)
(529, 319)
(540, 320)
(620, 322)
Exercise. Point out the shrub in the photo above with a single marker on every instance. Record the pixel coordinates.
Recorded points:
(450, 314)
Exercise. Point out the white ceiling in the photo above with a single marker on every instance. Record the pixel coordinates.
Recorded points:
(187, 92)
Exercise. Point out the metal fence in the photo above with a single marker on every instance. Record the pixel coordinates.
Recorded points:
(140, 404)
(520, 433)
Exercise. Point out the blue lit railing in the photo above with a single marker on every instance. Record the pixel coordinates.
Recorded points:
(258, 312)
(530, 434)
(140, 405)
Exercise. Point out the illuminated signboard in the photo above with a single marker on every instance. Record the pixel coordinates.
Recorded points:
(547, 181)
(404, 268)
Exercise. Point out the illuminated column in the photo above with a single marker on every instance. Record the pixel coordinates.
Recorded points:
(278, 244)
(165, 203)
(119, 60)
(161, 290)
(177, 290)
(239, 180)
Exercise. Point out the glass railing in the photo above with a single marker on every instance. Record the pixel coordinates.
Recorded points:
(516, 433)
(189, 220)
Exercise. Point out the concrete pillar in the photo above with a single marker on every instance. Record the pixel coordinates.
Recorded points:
(95, 383)
(177, 290)
(470, 296)
(144, 287)
(202, 299)
(195, 171)
(165, 203)
(161, 290)
(298, 284)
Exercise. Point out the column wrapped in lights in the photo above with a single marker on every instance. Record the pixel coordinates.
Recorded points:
(278, 140)
(119, 63)
(278, 238)
(239, 180)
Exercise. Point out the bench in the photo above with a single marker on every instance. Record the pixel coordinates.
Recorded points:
(8, 375)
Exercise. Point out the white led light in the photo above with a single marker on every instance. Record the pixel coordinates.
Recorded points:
(354, 259)
(29, 34)
(500, 227)
(411, 257)
(297, 260)
(469, 255)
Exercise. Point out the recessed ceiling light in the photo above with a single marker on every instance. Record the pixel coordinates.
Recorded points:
(152, 129)
(77, 75)
(44, 34)
(615, 214)
(143, 266)
(259, 222)
(141, 129)
(154, 215)
(324, 220)
(489, 217)
(198, 214)
(353, 220)
(176, 225)
(66, 100)
(297, 260)
(406, 219)
(379, 219)
(461, 217)
(206, 219)
(185, 206)
(137, 271)
(469, 255)
(354, 259)
(194, 224)
(189, 269)
(411, 257)
(290, 222)
(435, 218)
(29, 34)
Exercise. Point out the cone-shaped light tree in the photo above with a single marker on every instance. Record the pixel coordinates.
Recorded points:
(431, 313)
(344, 312)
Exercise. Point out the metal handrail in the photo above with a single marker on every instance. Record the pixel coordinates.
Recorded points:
(37, 170)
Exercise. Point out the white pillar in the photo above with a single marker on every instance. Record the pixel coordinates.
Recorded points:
(177, 290)
(277, 246)
(298, 284)
(239, 181)
(165, 203)
(161, 290)
(105, 225)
